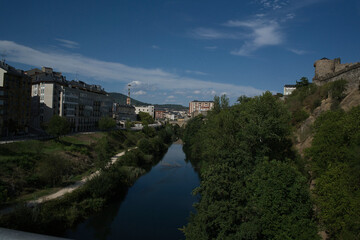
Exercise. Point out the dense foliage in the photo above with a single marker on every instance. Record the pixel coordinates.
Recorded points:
(107, 123)
(58, 126)
(335, 160)
(145, 118)
(251, 186)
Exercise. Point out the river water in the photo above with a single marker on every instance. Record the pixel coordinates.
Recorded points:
(155, 207)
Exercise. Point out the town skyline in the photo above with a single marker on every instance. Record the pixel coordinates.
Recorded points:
(176, 52)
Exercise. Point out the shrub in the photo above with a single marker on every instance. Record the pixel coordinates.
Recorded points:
(106, 123)
(298, 116)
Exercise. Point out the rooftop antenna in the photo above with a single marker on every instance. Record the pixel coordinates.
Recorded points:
(128, 100)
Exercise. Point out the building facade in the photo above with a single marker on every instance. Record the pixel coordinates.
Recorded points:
(82, 104)
(147, 109)
(159, 114)
(200, 106)
(123, 112)
(288, 89)
(15, 100)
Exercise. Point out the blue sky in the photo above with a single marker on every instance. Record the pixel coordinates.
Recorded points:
(178, 51)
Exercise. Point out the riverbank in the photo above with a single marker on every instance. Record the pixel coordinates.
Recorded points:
(153, 208)
(56, 215)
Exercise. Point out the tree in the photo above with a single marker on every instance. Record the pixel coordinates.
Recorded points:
(106, 123)
(145, 118)
(224, 101)
(304, 81)
(243, 99)
(58, 126)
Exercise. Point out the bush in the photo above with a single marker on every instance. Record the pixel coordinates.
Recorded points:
(107, 123)
(58, 126)
(337, 88)
(52, 169)
(298, 116)
(145, 146)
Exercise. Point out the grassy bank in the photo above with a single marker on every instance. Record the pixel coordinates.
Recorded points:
(54, 216)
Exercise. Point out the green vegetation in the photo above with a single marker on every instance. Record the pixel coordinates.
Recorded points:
(252, 184)
(58, 126)
(308, 96)
(145, 118)
(59, 214)
(335, 161)
(32, 166)
(107, 123)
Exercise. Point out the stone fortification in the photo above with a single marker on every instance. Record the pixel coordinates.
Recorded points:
(327, 70)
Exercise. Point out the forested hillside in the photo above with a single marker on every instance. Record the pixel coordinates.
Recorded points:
(255, 185)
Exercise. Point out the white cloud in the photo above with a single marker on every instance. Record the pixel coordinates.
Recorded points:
(141, 92)
(262, 33)
(272, 4)
(155, 47)
(196, 92)
(114, 72)
(67, 43)
(213, 92)
(297, 51)
(209, 33)
(171, 97)
(196, 72)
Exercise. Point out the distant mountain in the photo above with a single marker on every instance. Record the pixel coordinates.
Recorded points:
(173, 107)
(121, 99)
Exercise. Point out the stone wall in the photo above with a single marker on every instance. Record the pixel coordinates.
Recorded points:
(331, 70)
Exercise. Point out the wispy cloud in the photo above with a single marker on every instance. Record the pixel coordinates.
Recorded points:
(196, 92)
(114, 72)
(141, 92)
(196, 72)
(67, 43)
(262, 33)
(272, 4)
(209, 33)
(155, 47)
(298, 51)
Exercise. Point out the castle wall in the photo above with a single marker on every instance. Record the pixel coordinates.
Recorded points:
(349, 72)
(324, 67)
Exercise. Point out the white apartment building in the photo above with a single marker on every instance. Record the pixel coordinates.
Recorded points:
(147, 109)
(288, 89)
(82, 104)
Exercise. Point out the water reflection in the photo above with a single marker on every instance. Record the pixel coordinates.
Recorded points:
(154, 208)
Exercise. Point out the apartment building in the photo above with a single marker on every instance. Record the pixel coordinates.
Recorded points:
(159, 114)
(15, 100)
(200, 107)
(288, 89)
(147, 109)
(82, 104)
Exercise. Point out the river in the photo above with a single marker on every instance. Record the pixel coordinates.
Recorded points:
(155, 207)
